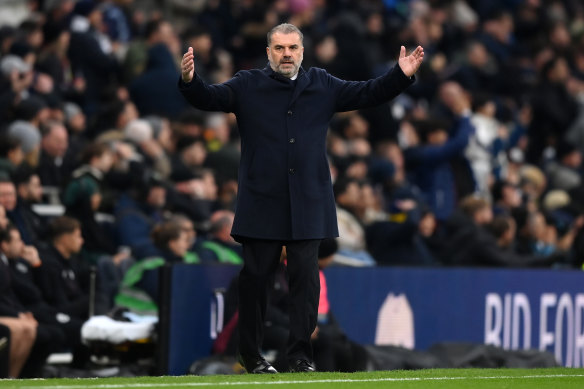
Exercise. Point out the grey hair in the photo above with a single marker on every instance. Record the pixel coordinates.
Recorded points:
(285, 28)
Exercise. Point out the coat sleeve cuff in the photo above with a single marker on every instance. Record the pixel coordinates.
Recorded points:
(403, 80)
(186, 85)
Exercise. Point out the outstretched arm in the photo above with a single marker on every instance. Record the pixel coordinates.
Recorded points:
(217, 97)
(351, 95)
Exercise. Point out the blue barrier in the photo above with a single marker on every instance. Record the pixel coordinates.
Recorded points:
(416, 307)
(191, 319)
(413, 307)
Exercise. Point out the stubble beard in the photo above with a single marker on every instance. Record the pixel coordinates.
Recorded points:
(287, 72)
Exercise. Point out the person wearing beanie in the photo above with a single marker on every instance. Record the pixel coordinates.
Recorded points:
(140, 133)
(29, 138)
(13, 63)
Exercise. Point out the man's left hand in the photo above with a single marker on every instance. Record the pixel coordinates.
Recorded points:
(411, 63)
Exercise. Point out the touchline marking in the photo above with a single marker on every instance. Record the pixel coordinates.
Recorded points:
(184, 384)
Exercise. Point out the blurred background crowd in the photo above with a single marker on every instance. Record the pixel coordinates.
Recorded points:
(104, 166)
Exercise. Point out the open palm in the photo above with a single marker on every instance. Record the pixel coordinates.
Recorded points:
(411, 63)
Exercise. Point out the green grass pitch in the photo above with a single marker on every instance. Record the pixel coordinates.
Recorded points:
(563, 378)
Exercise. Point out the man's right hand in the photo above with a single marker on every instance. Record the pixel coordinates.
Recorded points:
(188, 66)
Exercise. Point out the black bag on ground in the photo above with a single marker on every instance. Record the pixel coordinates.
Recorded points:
(460, 355)
(399, 358)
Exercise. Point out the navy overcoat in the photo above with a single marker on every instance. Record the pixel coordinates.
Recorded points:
(285, 190)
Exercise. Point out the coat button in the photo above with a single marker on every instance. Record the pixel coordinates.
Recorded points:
(291, 170)
(289, 113)
(292, 140)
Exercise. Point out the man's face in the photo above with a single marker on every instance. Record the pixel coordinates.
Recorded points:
(285, 53)
(7, 195)
(56, 142)
(189, 229)
(105, 162)
(156, 197)
(181, 245)
(31, 191)
(13, 249)
(73, 241)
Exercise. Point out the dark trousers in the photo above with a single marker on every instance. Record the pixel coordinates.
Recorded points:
(261, 258)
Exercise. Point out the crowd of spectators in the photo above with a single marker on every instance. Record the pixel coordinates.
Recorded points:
(479, 163)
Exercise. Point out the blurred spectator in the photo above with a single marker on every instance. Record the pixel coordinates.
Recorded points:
(55, 164)
(62, 278)
(479, 71)
(34, 110)
(24, 261)
(76, 123)
(156, 32)
(190, 154)
(91, 53)
(30, 139)
(220, 246)
(554, 108)
(468, 242)
(351, 240)
(16, 78)
(565, 172)
(399, 239)
(8, 197)
(188, 226)
(200, 40)
(49, 337)
(31, 226)
(480, 151)
(54, 62)
(154, 91)
(140, 133)
(223, 156)
(506, 196)
(113, 116)
(136, 216)
(11, 154)
(139, 289)
(116, 20)
(432, 151)
(83, 196)
(503, 228)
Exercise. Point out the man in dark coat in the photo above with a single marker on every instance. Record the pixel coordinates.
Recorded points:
(285, 196)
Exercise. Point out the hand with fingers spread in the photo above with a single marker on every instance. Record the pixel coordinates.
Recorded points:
(411, 63)
(188, 66)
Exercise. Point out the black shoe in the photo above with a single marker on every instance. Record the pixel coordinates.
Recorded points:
(302, 366)
(256, 365)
